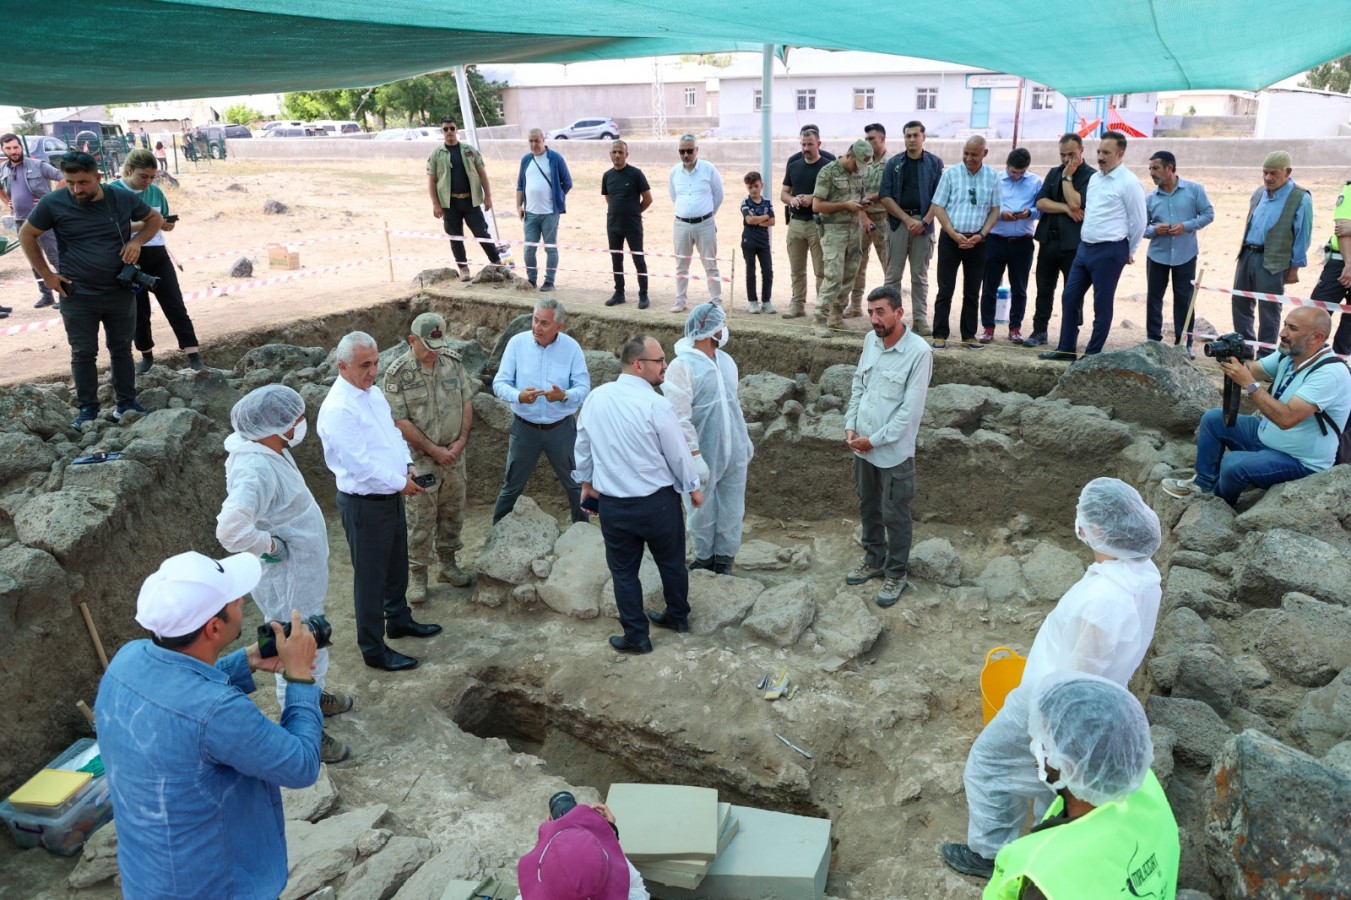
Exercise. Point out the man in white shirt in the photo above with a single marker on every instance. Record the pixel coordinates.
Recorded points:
(541, 197)
(696, 191)
(1114, 225)
(632, 457)
(374, 470)
(886, 404)
(543, 376)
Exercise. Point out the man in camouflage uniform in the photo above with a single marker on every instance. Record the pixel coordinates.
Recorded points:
(875, 232)
(431, 397)
(839, 203)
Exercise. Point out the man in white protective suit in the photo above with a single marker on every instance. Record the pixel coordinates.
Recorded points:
(701, 384)
(1101, 626)
(270, 512)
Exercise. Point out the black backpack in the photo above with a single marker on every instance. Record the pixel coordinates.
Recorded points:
(1325, 421)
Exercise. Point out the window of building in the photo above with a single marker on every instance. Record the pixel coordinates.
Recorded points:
(1043, 98)
(1120, 100)
(689, 97)
(926, 98)
(757, 100)
(863, 98)
(806, 99)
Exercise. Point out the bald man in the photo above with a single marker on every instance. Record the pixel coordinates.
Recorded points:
(1304, 397)
(965, 206)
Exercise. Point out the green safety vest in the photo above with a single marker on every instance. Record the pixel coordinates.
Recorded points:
(1128, 848)
(1343, 212)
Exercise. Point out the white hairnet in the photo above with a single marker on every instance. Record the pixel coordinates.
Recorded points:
(265, 411)
(705, 320)
(1094, 733)
(1114, 519)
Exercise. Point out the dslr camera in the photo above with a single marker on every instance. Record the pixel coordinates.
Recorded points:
(133, 279)
(318, 626)
(1228, 346)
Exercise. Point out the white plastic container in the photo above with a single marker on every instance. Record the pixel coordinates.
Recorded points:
(64, 830)
(1001, 306)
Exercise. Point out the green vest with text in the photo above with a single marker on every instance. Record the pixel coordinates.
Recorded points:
(1343, 211)
(1128, 848)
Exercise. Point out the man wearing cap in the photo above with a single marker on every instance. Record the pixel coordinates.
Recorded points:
(876, 234)
(838, 200)
(374, 470)
(966, 206)
(1334, 284)
(632, 457)
(696, 192)
(1177, 210)
(578, 857)
(24, 181)
(543, 376)
(457, 181)
(195, 769)
(431, 397)
(1110, 821)
(1275, 247)
(270, 512)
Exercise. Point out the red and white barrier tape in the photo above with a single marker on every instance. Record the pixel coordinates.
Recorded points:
(432, 235)
(286, 244)
(1284, 299)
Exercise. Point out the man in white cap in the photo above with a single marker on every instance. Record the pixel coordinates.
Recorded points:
(270, 512)
(194, 767)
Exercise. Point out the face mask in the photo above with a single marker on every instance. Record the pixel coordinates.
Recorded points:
(720, 339)
(300, 432)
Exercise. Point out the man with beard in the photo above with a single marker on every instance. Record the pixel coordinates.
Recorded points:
(23, 182)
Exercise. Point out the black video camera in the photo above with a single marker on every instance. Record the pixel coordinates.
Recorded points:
(133, 279)
(1228, 346)
(318, 626)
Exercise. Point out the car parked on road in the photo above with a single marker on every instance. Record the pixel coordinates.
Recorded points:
(586, 129)
(43, 147)
(238, 131)
(408, 134)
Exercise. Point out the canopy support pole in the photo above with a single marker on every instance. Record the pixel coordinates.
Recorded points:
(767, 116)
(466, 105)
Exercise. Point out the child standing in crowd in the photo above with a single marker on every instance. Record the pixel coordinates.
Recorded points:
(758, 215)
(161, 156)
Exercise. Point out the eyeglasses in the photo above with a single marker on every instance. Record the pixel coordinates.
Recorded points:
(685, 150)
(972, 192)
(661, 360)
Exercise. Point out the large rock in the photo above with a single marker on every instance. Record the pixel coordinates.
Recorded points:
(603, 367)
(846, 626)
(312, 803)
(1050, 571)
(1277, 821)
(461, 861)
(956, 405)
(1207, 526)
(379, 877)
(1307, 640)
(1319, 505)
(720, 601)
(578, 574)
(1204, 674)
(1151, 385)
(763, 556)
(71, 525)
(1181, 629)
(1275, 563)
(1199, 591)
(30, 580)
(98, 859)
(280, 358)
(22, 453)
(782, 613)
(761, 394)
(839, 381)
(35, 411)
(492, 412)
(1072, 431)
(935, 559)
(518, 539)
(1323, 718)
(1200, 730)
(1003, 582)
(320, 852)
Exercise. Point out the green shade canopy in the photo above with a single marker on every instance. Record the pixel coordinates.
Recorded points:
(77, 52)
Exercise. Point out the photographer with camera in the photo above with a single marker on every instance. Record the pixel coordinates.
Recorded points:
(138, 177)
(1301, 414)
(98, 256)
(583, 860)
(270, 512)
(194, 768)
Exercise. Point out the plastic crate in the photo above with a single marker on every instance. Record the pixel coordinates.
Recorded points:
(64, 833)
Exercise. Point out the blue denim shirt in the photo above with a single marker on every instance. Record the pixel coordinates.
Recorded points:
(560, 181)
(1187, 206)
(195, 770)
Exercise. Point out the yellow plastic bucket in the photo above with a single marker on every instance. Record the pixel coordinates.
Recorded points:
(998, 678)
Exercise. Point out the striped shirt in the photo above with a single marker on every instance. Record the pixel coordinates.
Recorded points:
(967, 198)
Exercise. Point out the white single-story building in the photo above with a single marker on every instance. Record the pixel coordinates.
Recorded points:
(1285, 113)
(842, 92)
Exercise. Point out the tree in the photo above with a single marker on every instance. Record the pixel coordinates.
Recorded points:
(239, 114)
(716, 60)
(1330, 76)
(28, 121)
(414, 101)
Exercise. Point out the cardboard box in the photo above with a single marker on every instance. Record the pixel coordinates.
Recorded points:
(280, 256)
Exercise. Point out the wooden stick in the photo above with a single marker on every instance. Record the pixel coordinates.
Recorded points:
(84, 708)
(1191, 307)
(389, 254)
(94, 634)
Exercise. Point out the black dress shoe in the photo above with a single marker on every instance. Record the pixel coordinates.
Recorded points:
(642, 301)
(615, 299)
(411, 629)
(623, 646)
(1058, 355)
(391, 661)
(661, 620)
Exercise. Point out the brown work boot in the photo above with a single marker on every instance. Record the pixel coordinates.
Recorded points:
(332, 750)
(854, 310)
(334, 704)
(794, 311)
(451, 573)
(417, 585)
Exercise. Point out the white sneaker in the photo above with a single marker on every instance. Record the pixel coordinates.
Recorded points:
(754, 308)
(769, 308)
(679, 306)
(1181, 488)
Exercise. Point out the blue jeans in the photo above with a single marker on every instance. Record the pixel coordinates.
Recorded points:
(1099, 266)
(1248, 463)
(541, 227)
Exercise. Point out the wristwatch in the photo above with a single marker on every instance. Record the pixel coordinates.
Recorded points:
(1251, 389)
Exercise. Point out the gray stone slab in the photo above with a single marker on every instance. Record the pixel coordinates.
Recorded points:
(773, 855)
(666, 820)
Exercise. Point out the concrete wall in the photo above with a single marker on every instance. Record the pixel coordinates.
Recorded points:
(1282, 115)
(551, 107)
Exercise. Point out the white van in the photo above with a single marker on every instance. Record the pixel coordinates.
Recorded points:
(337, 128)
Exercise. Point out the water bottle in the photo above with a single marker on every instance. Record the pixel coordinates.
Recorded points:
(1001, 306)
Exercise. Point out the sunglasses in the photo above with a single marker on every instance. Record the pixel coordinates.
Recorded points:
(972, 192)
(449, 128)
(684, 151)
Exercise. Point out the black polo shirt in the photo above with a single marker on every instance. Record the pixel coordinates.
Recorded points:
(624, 189)
(90, 236)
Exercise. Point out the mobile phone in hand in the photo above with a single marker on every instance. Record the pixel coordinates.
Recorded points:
(591, 505)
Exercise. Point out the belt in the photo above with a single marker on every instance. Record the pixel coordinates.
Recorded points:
(913, 213)
(461, 196)
(1333, 254)
(373, 497)
(1103, 243)
(1254, 248)
(695, 221)
(1021, 237)
(545, 426)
